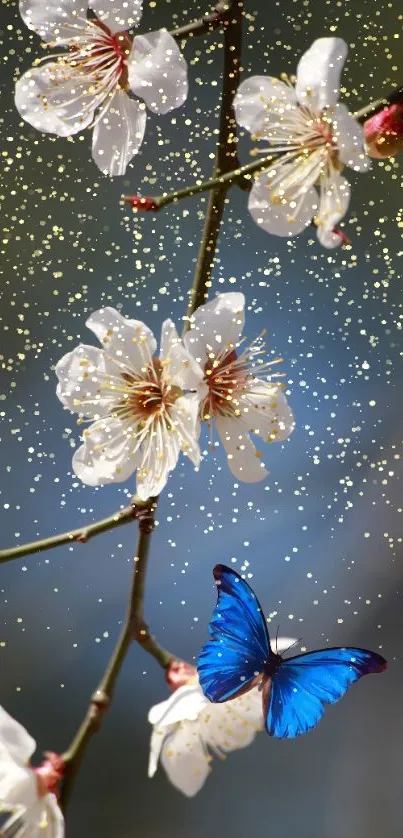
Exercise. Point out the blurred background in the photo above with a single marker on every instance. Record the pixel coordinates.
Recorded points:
(321, 536)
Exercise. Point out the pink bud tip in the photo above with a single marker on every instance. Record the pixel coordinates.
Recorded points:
(180, 673)
(344, 238)
(141, 204)
(384, 132)
(49, 774)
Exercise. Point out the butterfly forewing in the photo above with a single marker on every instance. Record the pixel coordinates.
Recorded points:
(239, 647)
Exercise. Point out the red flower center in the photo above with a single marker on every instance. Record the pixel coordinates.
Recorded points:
(225, 377)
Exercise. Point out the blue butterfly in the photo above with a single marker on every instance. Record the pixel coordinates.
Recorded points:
(294, 691)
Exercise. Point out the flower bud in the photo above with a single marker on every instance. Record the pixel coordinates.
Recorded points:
(49, 774)
(180, 673)
(384, 132)
(137, 202)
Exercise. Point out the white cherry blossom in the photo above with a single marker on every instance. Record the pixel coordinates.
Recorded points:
(315, 136)
(235, 397)
(91, 84)
(27, 809)
(141, 417)
(188, 729)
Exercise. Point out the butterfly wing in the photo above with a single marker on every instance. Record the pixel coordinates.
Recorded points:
(303, 685)
(239, 645)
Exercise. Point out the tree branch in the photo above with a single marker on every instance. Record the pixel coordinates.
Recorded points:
(135, 628)
(225, 160)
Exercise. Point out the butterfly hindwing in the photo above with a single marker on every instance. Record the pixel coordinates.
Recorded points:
(303, 685)
(239, 645)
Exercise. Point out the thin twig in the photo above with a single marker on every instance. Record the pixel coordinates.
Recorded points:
(82, 534)
(207, 23)
(135, 627)
(238, 176)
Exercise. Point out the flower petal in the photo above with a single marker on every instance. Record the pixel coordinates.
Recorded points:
(184, 759)
(266, 412)
(109, 453)
(179, 364)
(185, 703)
(318, 73)
(215, 325)
(118, 14)
(54, 818)
(333, 205)
(118, 134)
(283, 214)
(159, 456)
(81, 374)
(158, 71)
(55, 99)
(256, 96)
(185, 418)
(47, 18)
(243, 460)
(15, 739)
(350, 139)
(130, 343)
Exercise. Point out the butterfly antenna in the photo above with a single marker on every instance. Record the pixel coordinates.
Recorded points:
(293, 644)
(278, 629)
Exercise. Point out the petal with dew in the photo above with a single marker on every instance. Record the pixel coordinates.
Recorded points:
(86, 381)
(216, 325)
(129, 343)
(283, 213)
(118, 134)
(184, 758)
(158, 71)
(318, 73)
(179, 364)
(118, 14)
(256, 96)
(159, 456)
(46, 17)
(55, 99)
(266, 412)
(333, 205)
(349, 135)
(184, 415)
(109, 454)
(243, 459)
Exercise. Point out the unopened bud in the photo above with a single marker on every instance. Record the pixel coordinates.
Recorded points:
(384, 132)
(141, 204)
(180, 673)
(49, 774)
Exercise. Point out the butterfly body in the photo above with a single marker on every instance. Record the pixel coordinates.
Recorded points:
(239, 656)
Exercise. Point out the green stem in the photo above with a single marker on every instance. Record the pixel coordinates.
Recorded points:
(237, 176)
(207, 23)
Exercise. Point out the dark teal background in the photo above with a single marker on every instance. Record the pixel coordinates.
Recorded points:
(335, 317)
